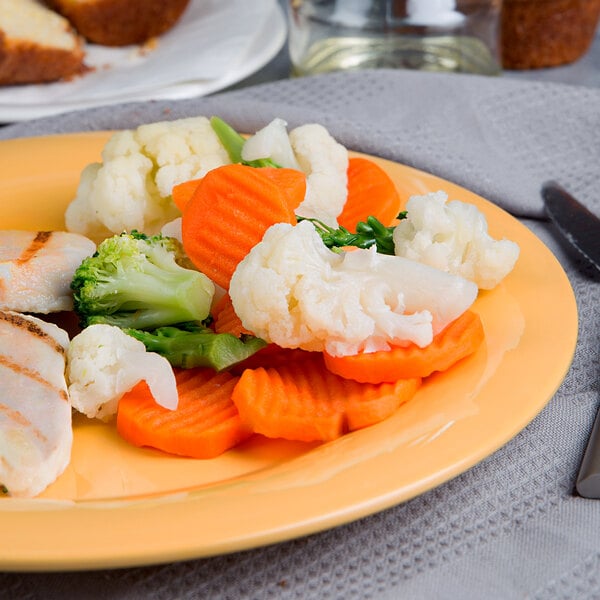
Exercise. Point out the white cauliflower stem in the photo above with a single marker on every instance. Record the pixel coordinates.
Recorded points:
(131, 187)
(453, 236)
(293, 291)
(103, 363)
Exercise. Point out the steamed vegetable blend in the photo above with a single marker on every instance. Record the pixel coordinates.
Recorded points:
(131, 187)
(137, 283)
(311, 338)
(307, 148)
(358, 301)
(271, 285)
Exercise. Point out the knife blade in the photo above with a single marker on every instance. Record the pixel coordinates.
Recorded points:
(579, 225)
(581, 228)
(588, 478)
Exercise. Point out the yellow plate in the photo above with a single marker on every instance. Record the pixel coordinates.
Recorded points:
(117, 505)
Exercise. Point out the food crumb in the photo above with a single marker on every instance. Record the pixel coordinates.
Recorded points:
(148, 46)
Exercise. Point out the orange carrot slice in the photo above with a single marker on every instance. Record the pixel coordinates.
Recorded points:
(290, 181)
(226, 319)
(303, 401)
(227, 215)
(182, 192)
(271, 355)
(205, 424)
(370, 192)
(458, 340)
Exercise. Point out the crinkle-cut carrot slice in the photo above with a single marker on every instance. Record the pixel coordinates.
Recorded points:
(290, 181)
(226, 319)
(182, 192)
(303, 401)
(366, 411)
(371, 192)
(272, 355)
(227, 216)
(205, 424)
(458, 340)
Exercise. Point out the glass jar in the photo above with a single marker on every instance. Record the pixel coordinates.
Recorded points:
(428, 35)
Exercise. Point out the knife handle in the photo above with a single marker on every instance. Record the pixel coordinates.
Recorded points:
(588, 478)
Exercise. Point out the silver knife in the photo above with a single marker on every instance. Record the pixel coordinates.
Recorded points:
(579, 225)
(588, 478)
(581, 228)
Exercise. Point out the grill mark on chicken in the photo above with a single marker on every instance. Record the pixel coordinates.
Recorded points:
(39, 241)
(33, 375)
(20, 419)
(35, 409)
(33, 329)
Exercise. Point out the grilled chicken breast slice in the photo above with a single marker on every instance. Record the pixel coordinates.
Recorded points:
(35, 413)
(36, 269)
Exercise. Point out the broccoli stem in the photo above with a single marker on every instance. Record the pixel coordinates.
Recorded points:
(188, 346)
(143, 299)
(233, 143)
(371, 232)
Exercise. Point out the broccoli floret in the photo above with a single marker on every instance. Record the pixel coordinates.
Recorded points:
(189, 345)
(134, 280)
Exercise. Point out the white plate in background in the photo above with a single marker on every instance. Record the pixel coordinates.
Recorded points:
(215, 44)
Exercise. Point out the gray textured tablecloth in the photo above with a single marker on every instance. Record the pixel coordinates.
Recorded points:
(512, 526)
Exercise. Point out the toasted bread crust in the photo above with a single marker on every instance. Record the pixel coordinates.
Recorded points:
(120, 22)
(26, 61)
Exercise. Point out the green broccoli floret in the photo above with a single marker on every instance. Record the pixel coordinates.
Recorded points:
(134, 280)
(189, 345)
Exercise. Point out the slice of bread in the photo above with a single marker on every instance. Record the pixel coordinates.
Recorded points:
(36, 44)
(120, 22)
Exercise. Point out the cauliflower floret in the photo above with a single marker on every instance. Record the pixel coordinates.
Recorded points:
(293, 291)
(131, 187)
(311, 149)
(182, 150)
(325, 162)
(453, 236)
(103, 363)
(271, 142)
(121, 196)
